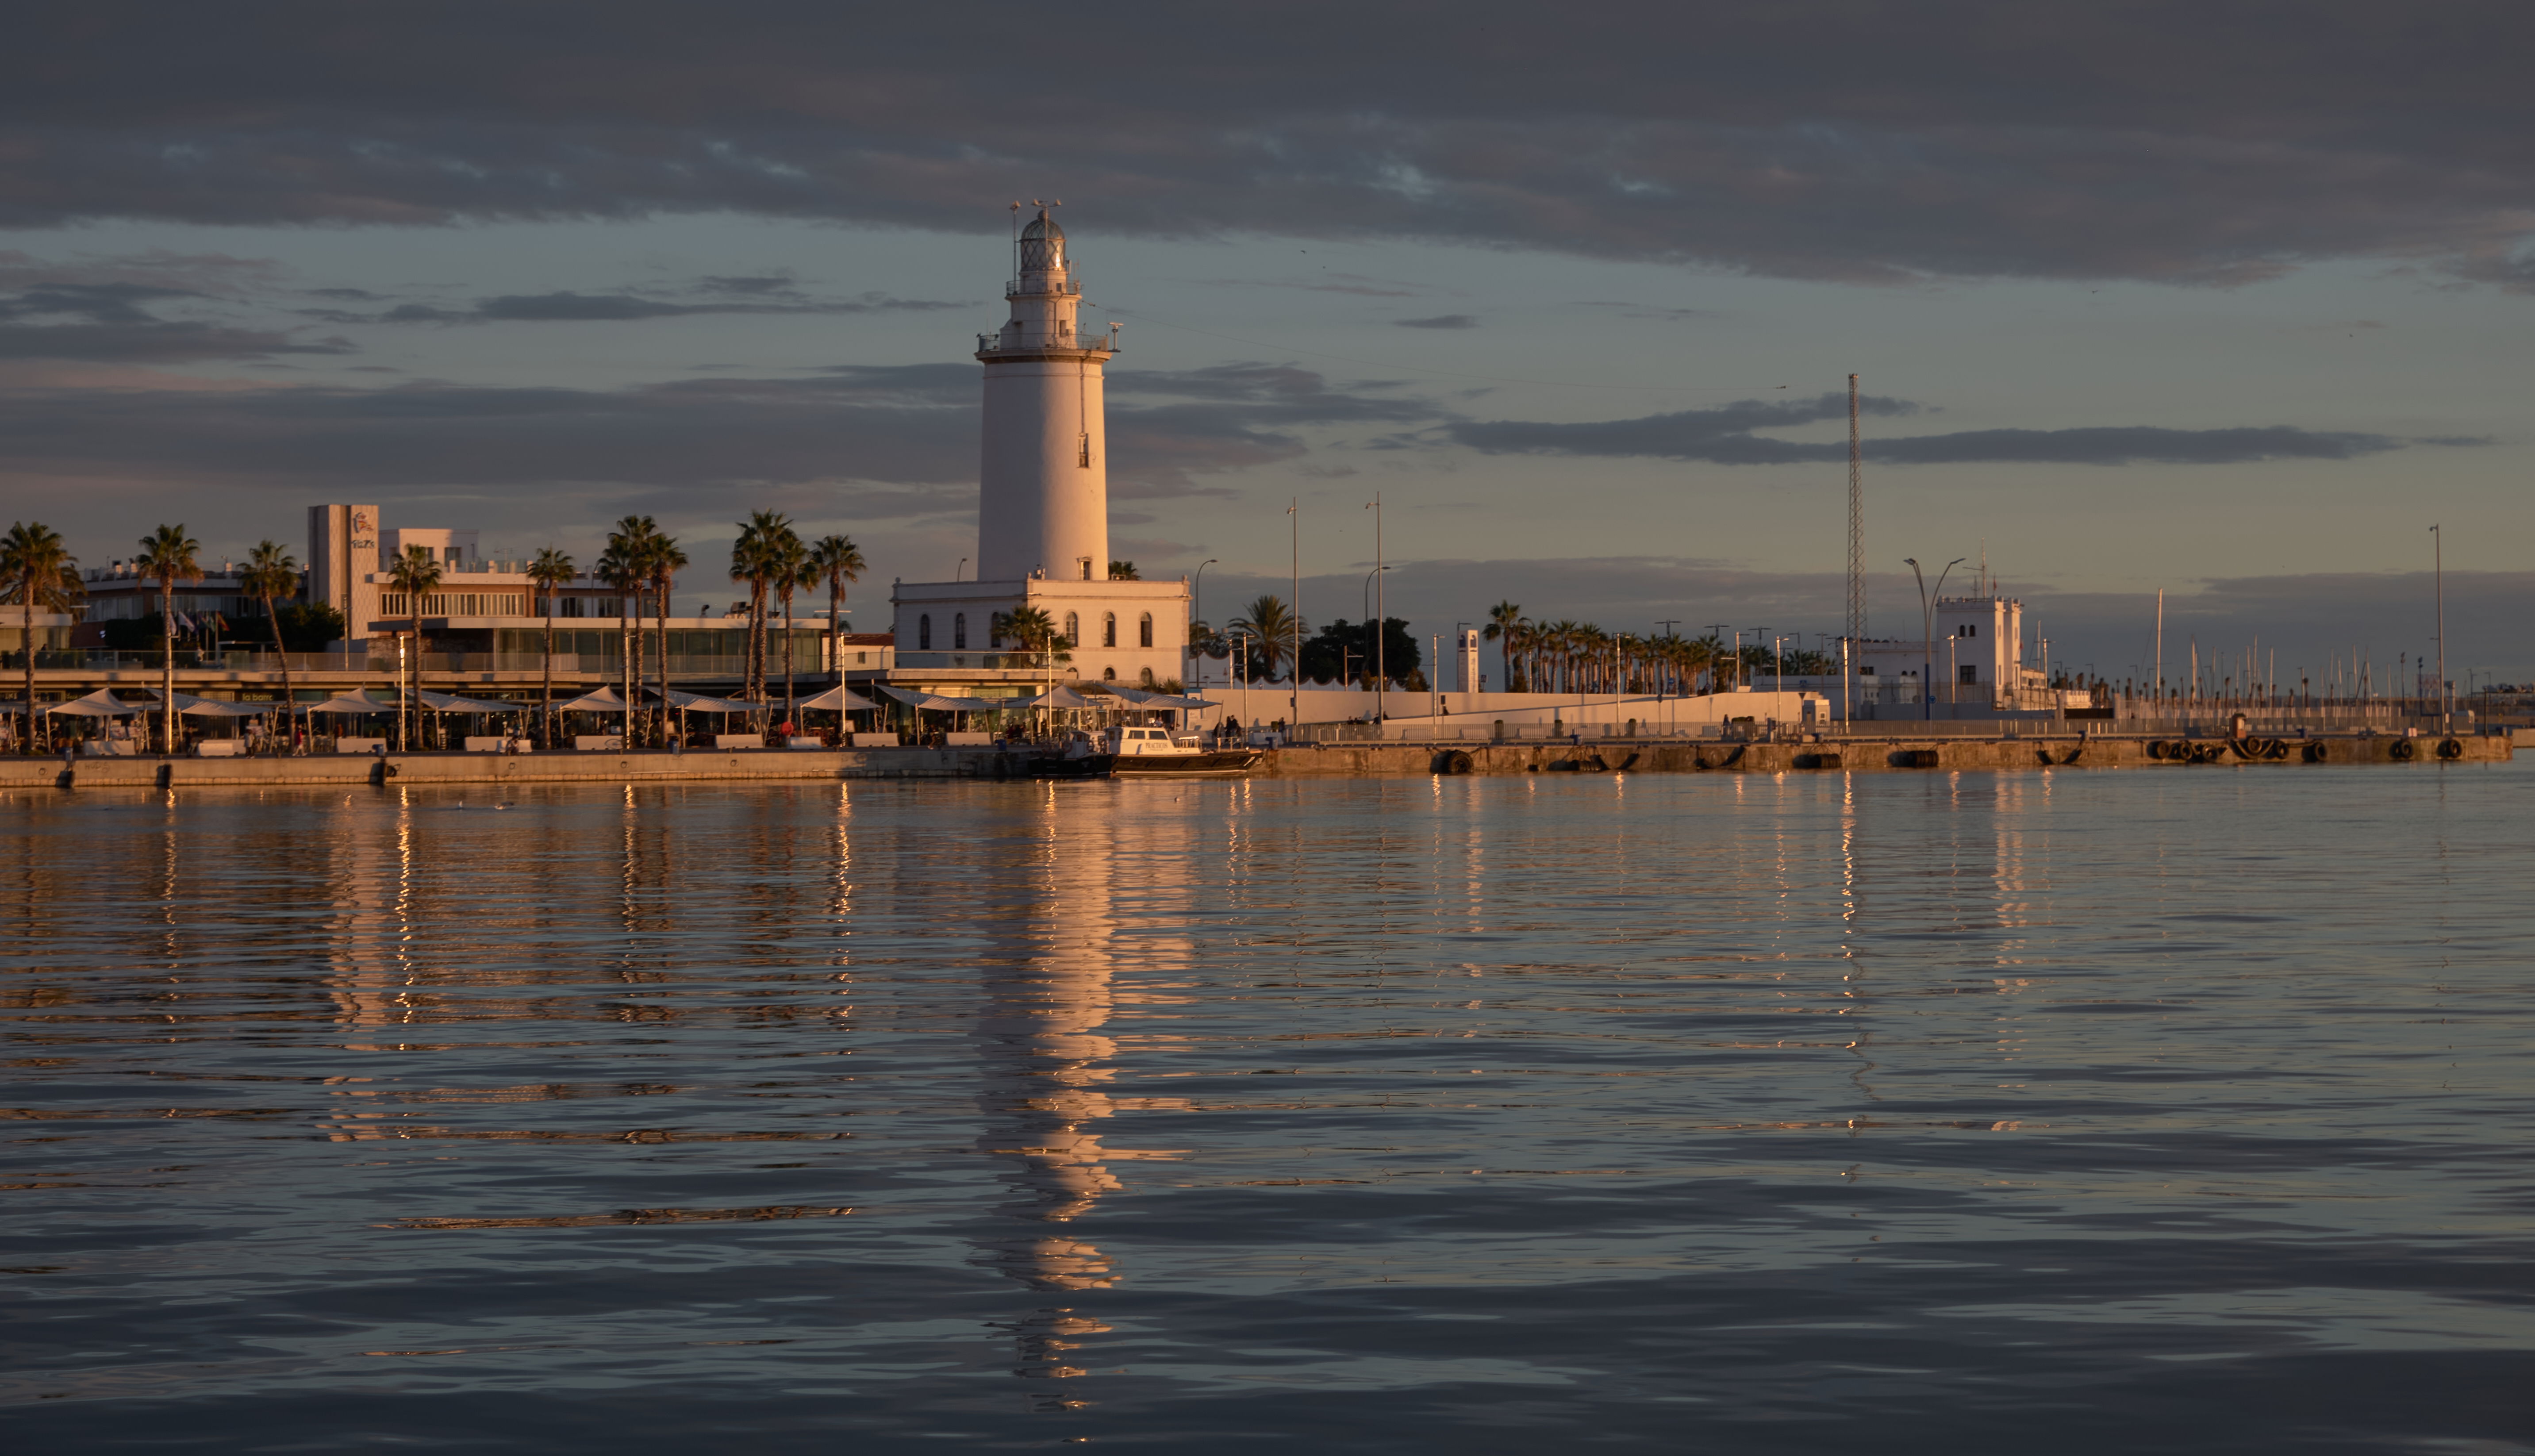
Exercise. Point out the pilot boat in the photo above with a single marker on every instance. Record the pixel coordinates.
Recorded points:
(1134, 752)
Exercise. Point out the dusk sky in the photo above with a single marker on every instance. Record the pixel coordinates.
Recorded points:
(2231, 300)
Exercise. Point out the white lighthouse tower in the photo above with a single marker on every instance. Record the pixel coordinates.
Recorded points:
(1044, 489)
(1042, 515)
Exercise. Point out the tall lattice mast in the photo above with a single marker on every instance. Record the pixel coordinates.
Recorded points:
(1856, 524)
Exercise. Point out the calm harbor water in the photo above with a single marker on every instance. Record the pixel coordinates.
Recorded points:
(2102, 1111)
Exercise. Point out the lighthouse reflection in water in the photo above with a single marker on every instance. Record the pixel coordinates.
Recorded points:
(1363, 1112)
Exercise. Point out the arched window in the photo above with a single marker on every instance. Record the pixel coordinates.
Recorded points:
(1147, 674)
(1970, 629)
(1144, 633)
(1108, 674)
(1073, 628)
(959, 632)
(1108, 628)
(924, 632)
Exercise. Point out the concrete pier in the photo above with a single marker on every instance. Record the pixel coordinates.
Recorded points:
(1895, 754)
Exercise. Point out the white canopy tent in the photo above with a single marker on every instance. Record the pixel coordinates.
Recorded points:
(697, 703)
(1142, 698)
(1064, 695)
(839, 699)
(935, 702)
(350, 704)
(101, 703)
(597, 701)
(446, 703)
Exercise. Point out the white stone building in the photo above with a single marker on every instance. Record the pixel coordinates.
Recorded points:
(1042, 513)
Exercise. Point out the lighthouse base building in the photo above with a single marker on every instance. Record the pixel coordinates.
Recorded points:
(1042, 516)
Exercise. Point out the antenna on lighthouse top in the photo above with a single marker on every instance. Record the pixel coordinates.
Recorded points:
(1016, 237)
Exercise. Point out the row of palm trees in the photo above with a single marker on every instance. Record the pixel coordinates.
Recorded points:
(643, 561)
(37, 572)
(1580, 657)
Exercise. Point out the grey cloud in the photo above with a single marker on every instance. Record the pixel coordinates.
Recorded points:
(107, 323)
(2162, 141)
(892, 443)
(1728, 435)
(1440, 320)
(566, 305)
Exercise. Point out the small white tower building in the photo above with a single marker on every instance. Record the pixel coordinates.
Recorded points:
(1042, 515)
(1043, 486)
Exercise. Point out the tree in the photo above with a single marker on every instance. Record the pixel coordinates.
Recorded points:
(752, 559)
(637, 542)
(1338, 652)
(838, 561)
(37, 571)
(792, 573)
(167, 558)
(1505, 627)
(1031, 629)
(621, 568)
(1275, 626)
(551, 569)
(665, 560)
(1123, 570)
(270, 572)
(416, 573)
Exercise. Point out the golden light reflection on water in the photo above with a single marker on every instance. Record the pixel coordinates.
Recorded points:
(816, 1036)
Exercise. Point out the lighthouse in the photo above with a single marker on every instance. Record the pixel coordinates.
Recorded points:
(1043, 481)
(1042, 515)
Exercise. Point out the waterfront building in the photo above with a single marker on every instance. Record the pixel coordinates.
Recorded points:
(1974, 658)
(1042, 513)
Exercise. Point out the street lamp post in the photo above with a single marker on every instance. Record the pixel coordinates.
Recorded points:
(1373, 648)
(1198, 605)
(1928, 632)
(2438, 540)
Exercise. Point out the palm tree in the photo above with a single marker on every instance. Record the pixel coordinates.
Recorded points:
(37, 572)
(839, 561)
(1273, 624)
(416, 573)
(619, 569)
(792, 573)
(633, 543)
(167, 557)
(1505, 623)
(665, 561)
(1031, 629)
(753, 561)
(551, 569)
(271, 573)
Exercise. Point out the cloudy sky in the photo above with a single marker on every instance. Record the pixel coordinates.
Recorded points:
(2226, 299)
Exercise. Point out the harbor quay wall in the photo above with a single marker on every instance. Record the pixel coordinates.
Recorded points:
(1899, 754)
(1328, 760)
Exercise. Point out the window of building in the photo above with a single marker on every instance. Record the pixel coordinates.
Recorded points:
(1147, 675)
(1108, 628)
(1967, 674)
(569, 606)
(1144, 633)
(1073, 628)
(959, 632)
(1108, 674)
(1866, 670)
(1969, 629)
(924, 632)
